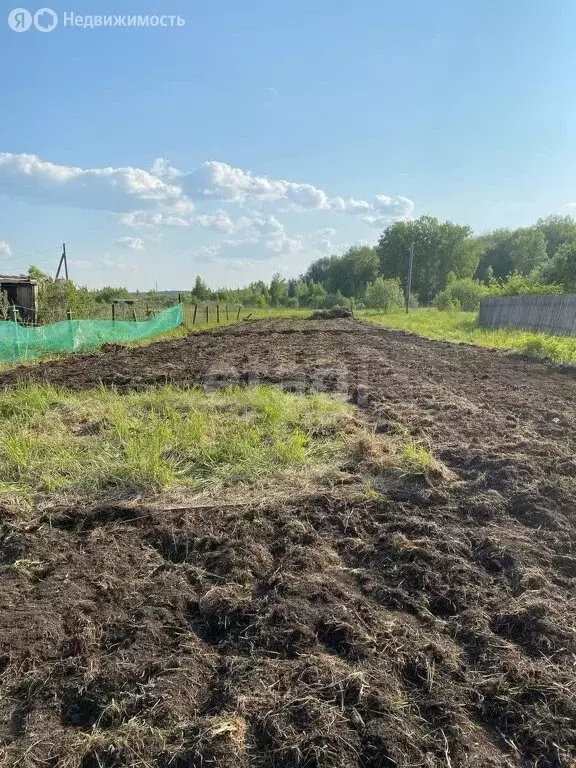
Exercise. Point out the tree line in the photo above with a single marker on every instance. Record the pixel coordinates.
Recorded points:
(452, 269)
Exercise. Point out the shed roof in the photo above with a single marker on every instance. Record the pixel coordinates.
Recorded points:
(24, 279)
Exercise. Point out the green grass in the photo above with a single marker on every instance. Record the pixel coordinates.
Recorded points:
(63, 447)
(463, 327)
(254, 313)
(59, 444)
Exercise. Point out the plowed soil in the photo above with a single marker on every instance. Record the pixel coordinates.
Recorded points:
(432, 626)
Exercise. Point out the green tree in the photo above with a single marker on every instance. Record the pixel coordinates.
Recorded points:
(558, 230)
(351, 272)
(528, 249)
(347, 274)
(384, 294)
(439, 248)
(201, 291)
(319, 270)
(331, 300)
(107, 294)
(495, 262)
(561, 269)
(507, 251)
(278, 291)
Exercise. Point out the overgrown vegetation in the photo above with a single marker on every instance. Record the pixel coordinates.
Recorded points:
(463, 327)
(101, 444)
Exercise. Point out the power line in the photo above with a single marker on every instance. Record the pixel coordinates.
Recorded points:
(26, 256)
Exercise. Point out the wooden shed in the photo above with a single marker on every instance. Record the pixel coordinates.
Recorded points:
(22, 292)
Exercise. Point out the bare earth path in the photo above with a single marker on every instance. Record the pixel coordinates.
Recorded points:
(432, 627)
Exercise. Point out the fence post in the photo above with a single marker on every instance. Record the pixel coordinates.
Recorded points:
(207, 314)
(195, 310)
(16, 334)
(227, 316)
(70, 329)
(239, 310)
(218, 313)
(113, 312)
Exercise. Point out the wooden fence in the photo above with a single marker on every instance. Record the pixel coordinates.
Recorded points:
(554, 314)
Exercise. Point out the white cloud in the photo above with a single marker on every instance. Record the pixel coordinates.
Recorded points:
(152, 220)
(349, 205)
(270, 233)
(283, 243)
(220, 181)
(5, 249)
(388, 208)
(111, 189)
(241, 264)
(221, 222)
(164, 170)
(252, 240)
(207, 252)
(134, 243)
(163, 197)
(110, 263)
(80, 263)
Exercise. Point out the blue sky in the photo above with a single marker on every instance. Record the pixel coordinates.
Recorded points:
(260, 136)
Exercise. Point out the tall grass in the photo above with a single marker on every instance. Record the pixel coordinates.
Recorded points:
(463, 327)
(100, 443)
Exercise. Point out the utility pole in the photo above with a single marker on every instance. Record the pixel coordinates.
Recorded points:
(409, 281)
(63, 261)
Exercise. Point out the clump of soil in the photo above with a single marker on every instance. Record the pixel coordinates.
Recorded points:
(331, 314)
(328, 632)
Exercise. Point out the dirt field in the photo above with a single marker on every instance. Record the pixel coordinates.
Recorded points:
(435, 626)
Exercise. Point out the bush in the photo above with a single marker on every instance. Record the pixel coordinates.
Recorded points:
(461, 295)
(333, 300)
(522, 285)
(384, 294)
(446, 303)
(292, 302)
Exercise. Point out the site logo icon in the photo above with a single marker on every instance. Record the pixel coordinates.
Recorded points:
(20, 20)
(45, 20)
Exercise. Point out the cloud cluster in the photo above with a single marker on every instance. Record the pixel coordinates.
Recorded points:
(110, 189)
(5, 249)
(164, 196)
(220, 181)
(134, 243)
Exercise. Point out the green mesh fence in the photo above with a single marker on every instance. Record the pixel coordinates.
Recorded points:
(19, 343)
